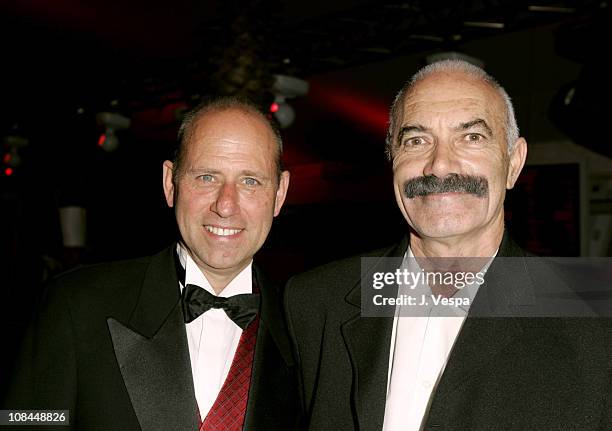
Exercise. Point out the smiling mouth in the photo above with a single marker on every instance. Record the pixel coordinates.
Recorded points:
(222, 231)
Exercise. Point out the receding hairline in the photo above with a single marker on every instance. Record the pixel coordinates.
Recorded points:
(450, 68)
(218, 106)
(436, 77)
(189, 127)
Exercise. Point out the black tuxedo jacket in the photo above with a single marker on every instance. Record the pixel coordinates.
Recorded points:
(503, 373)
(110, 345)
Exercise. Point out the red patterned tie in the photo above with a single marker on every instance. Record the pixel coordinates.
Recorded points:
(228, 411)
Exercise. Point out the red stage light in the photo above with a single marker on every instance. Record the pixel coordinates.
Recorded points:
(101, 140)
(368, 112)
(274, 107)
(8, 172)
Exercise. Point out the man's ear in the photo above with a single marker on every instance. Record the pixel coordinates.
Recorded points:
(168, 183)
(517, 161)
(281, 192)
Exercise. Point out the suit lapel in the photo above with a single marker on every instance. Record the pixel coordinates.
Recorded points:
(272, 316)
(368, 341)
(479, 341)
(153, 354)
(486, 331)
(272, 384)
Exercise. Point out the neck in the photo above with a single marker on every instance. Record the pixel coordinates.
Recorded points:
(218, 282)
(479, 244)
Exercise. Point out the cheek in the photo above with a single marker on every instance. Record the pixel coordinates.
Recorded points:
(258, 207)
(402, 163)
(498, 178)
(190, 205)
(401, 173)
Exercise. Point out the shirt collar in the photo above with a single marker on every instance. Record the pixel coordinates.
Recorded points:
(468, 291)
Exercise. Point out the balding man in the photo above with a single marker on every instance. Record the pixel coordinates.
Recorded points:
(192, 338)
(455, 149)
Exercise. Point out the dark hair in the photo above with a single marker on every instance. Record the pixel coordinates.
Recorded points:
(218, 105)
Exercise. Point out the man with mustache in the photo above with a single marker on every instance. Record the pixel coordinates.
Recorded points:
(455, 149)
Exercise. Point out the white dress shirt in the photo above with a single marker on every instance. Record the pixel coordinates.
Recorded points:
(420, 347)
(212, 337)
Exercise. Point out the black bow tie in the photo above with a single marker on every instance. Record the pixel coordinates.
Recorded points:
(242, 309)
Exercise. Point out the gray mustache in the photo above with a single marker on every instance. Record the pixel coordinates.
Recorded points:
(423, 186)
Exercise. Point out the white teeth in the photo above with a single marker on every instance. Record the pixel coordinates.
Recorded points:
(222, 232)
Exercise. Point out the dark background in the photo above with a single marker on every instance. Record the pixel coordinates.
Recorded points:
(64, 61)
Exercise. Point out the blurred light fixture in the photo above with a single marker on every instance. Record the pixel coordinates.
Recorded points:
(283, 112)
(480, 24)
(553, 9)
(108, 141)
(286, 87)
(112, 122)
(10, 159)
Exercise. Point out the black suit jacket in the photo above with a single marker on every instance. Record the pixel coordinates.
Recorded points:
(110, 345)
(503, 373)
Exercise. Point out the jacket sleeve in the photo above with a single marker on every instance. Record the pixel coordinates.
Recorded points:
(45, 372)
(289, 315)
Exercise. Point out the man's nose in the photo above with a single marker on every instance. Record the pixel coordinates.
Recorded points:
(226, 202)
(442, 161)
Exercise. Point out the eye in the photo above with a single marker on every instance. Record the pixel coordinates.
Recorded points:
(206, 178)
(250, 181)
(414, 142)
(474, 137)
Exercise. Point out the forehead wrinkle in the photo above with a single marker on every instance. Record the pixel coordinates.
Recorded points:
(413, 127)
(209, 138)
(439, 106)
(473, 109)
(215, 125)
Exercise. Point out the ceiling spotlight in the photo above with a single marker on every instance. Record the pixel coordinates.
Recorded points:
(286, 87)
(283, 112)
(289, 86)
(108, 141)
(111, 122)
(10, 159)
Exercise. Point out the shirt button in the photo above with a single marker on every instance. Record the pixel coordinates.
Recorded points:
(426, 384)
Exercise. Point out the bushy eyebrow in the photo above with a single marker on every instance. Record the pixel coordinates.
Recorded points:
(478, 122)
(408, 129)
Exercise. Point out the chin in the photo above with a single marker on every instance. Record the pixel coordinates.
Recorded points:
(223, 264)
(443, 230)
